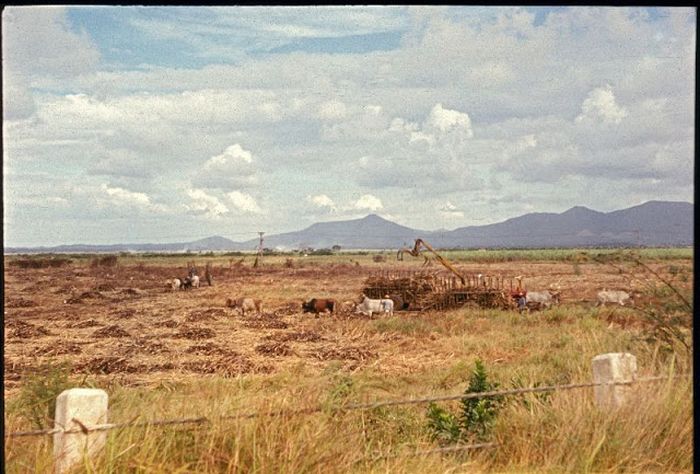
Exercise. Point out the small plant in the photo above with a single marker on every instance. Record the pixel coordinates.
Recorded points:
(444, 426)
(477, 415)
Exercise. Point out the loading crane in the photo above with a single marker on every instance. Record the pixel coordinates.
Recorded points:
(416, 251)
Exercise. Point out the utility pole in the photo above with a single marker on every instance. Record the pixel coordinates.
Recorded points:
(260, 250)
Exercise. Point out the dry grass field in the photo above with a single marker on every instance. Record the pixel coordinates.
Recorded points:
(165, 354)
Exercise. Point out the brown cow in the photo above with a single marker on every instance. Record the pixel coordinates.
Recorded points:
(318, 305)
(245, 304)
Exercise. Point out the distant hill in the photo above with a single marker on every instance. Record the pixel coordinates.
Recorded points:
(370, 232)
(653, 224)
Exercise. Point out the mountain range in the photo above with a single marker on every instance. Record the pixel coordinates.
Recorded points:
(652, 224)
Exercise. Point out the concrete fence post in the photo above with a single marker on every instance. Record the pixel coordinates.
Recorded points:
(613, 367)
(89, 408)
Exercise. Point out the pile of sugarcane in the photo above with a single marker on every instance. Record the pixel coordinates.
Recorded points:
(422, 291)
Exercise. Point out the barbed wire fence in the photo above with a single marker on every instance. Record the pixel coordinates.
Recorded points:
(85, 428)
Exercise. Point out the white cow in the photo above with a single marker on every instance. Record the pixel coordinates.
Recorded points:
(612, 296)
(195, 281)
(543, 299)
(245, 304)
(369, 306)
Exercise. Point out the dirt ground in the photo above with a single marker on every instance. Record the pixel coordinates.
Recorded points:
(124, 324)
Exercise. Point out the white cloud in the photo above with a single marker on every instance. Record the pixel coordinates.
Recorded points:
(368, 201)
(418, 136)
(450, 210)
(244, 202)
(123, 198)
(38, 40)
(446, 120)
(230, 156)
(323, 201)
(127, 197)
(58, 200)
(121, 163)
(18, 102)
(601, 105)
(463, 106)
(402, 126)
(373, 109)
(232, 168)
(332, 110)
(205, 204)
(492, 73)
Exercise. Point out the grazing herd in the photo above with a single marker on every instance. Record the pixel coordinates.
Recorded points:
(190, 281)
(526, 300)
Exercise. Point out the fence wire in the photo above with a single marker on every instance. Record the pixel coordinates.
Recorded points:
(344, 408)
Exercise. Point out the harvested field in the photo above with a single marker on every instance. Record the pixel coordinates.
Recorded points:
(123, 319)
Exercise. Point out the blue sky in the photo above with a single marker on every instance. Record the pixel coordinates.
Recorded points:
(143, 124)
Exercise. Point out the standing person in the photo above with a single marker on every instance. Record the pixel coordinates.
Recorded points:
(522, 301)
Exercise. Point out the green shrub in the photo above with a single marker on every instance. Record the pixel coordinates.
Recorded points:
(477, 415)
(443, 425)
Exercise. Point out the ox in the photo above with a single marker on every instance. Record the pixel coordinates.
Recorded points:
(318, 305)
(175, 283)
(612, 296)
(369, 306)
(245, 304)
(542, 299)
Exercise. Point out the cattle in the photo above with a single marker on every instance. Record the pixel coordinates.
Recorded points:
(542, 299)
(191, 280)
(612, 296)
(369, 306)
(245, 304)
(318, 305)
(174, 284)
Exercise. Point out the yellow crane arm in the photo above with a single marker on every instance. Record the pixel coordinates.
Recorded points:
(444, 262)
(415, 251)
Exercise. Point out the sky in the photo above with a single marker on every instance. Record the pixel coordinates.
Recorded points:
(171, 124)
